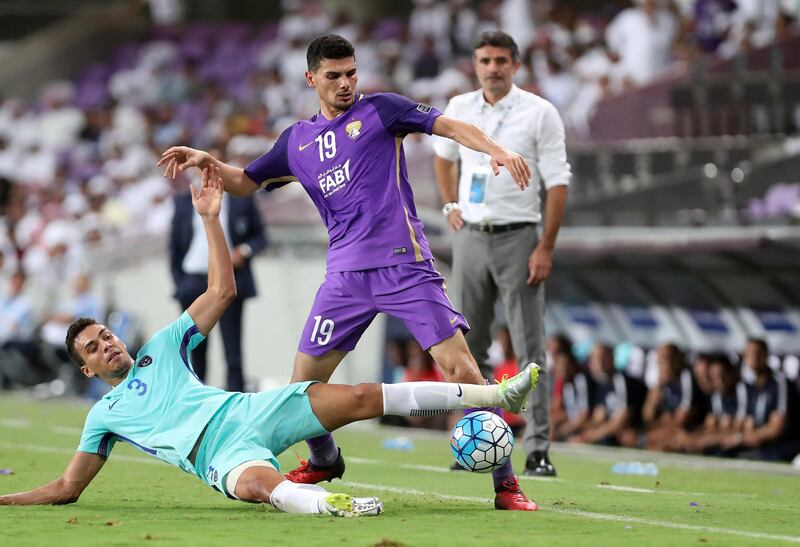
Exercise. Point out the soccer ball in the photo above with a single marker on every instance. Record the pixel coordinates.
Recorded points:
(482, 441)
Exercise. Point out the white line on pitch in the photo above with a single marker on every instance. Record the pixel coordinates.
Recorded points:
(61, 450)
(431, 468)
(15, 424)
(587, 514)
(62, 430)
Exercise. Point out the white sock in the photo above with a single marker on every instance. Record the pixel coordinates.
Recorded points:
(292, 497)
(426, 398)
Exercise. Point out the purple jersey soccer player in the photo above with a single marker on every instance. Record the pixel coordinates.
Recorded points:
(349, 158)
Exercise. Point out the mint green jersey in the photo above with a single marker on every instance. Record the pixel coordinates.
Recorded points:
(161, 407)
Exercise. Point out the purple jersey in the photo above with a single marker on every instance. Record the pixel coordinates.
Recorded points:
(354, 169)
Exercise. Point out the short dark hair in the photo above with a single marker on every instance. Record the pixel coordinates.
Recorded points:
(330, 46)
(74, 330)
(497, 38)
(760, 342)
(720, 359)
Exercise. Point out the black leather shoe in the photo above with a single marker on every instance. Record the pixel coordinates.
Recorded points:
(457, 466)
(538, 465)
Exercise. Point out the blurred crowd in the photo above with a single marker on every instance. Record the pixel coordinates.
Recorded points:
(77, 165)
(710, 403)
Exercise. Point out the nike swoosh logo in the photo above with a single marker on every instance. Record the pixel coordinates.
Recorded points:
(111, 405)
(304, 146)
(453, 320)
(459, 391)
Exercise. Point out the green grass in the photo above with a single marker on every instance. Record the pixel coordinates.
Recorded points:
(133, 501)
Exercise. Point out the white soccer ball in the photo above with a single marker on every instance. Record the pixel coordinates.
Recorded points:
(482, 441)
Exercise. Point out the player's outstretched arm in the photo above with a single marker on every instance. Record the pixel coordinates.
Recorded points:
(66, 489)
(180, 158)
(470, 136)
(209, 306)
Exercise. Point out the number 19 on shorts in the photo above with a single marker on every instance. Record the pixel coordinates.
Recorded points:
(323, 329)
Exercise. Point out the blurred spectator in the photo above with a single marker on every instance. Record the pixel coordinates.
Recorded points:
(764, 431)
(712, 22)
(556, 343)
(420, 366)
(396, 359)
(166, 12)
(17, 321)
(702, 379)
(18, 353)
(571, 407)
(82, 303)
(643, 36)
(670, 408)
(728, 403)
(616, 402)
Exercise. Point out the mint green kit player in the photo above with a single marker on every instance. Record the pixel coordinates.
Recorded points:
(162, 408)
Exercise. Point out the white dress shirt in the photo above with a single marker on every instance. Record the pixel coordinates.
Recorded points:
(644, 45)
(196, 259)
(524, 123)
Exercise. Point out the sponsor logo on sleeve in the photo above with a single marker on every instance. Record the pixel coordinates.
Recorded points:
(424, 108)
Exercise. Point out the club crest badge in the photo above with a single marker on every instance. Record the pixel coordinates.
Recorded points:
(353, 129)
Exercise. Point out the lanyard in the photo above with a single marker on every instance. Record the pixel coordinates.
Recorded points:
(496, 130)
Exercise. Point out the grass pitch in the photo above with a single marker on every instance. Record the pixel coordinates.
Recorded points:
(137, 500)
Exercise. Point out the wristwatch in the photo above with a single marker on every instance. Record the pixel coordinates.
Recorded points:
(246, 250)
(449, 208)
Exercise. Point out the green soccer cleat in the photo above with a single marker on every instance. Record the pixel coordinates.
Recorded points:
(514, 391)
(342, 505)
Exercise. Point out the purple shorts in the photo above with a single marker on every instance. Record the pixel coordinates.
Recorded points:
(347, 302)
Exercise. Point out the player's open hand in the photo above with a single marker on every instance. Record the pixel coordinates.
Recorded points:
(180, 158)
(516, 165)
(208, 199)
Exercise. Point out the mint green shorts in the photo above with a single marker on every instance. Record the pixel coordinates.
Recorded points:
(255, 426)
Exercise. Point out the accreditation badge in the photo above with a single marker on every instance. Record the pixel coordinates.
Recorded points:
(479, 179)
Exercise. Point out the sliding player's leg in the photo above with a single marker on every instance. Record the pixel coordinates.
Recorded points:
(337, 405)
(259, 481)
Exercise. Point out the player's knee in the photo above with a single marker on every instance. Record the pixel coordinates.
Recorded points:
(365, 397)
(255, 491)
(467, 375)
(462, 368)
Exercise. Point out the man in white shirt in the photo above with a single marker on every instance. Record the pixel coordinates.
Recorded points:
(643, 36)
(497, 249)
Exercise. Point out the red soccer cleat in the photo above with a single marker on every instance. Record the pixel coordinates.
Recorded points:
(510, 497)
(308, 473)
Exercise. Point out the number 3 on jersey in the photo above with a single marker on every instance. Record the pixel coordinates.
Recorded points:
(327, 145)
(323, 328)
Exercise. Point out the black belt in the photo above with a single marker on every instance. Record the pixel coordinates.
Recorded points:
(489, 228)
